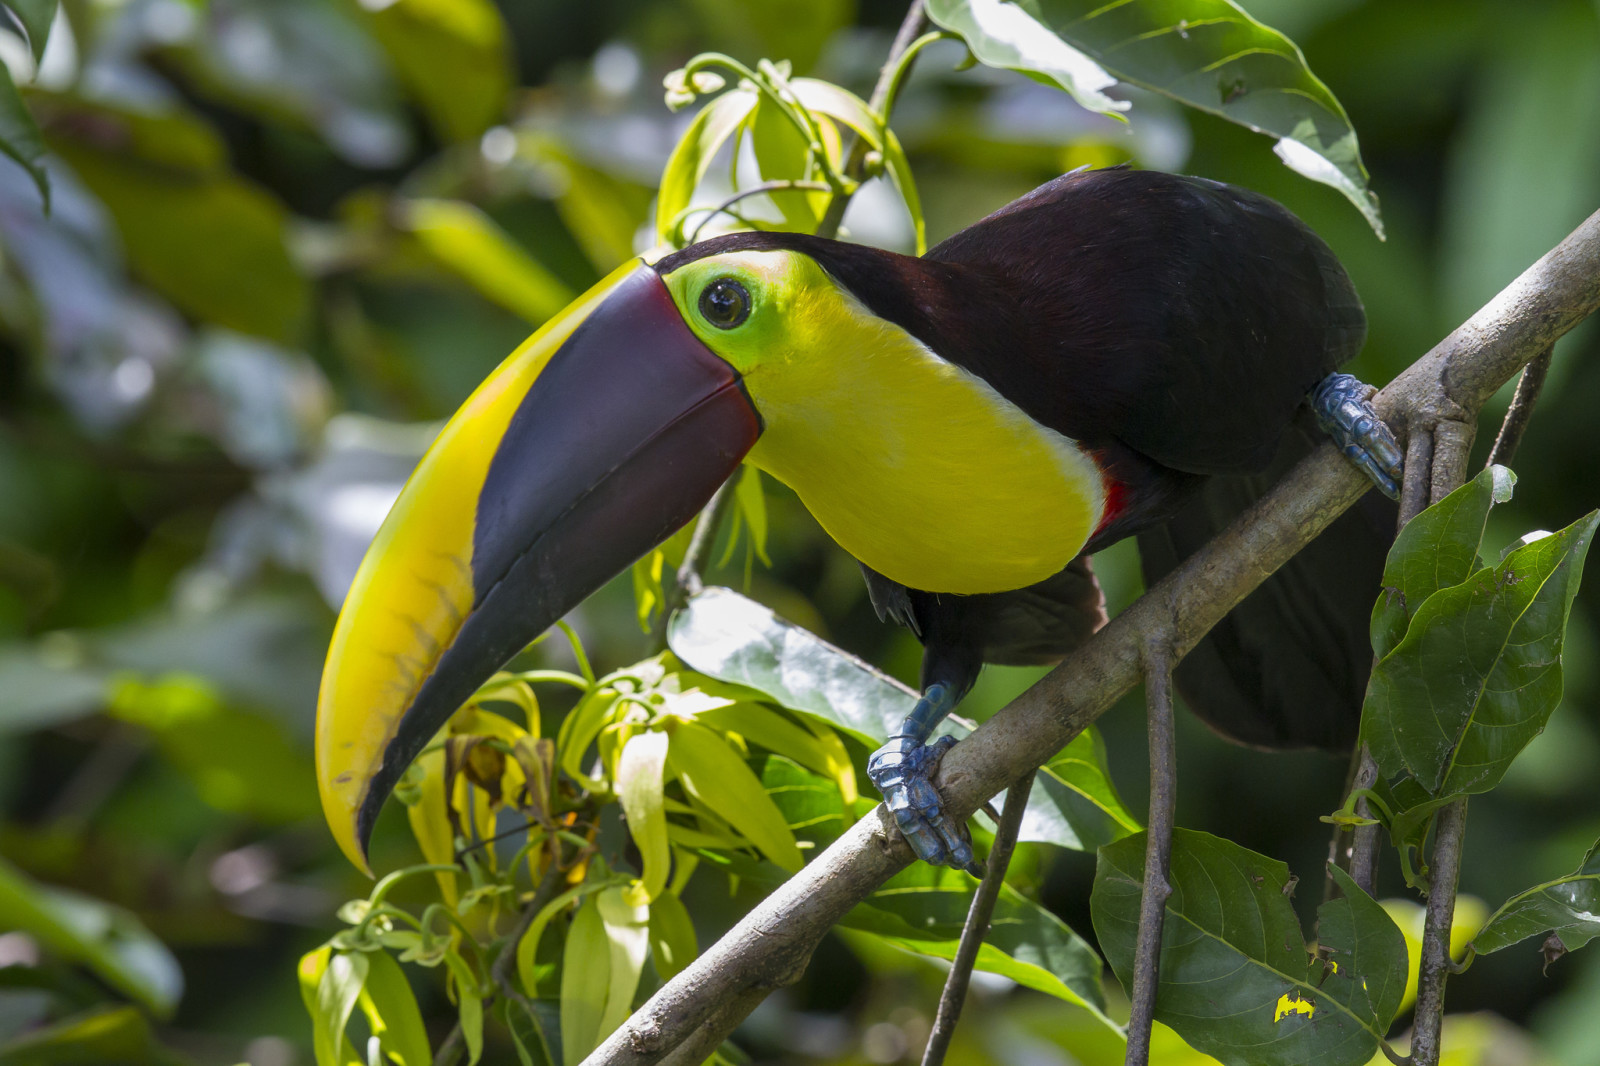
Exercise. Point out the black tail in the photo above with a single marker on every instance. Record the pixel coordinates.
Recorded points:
(1288, 667)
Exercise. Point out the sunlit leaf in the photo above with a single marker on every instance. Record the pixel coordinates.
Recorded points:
(105, 938)
(1236, 979)
(1479, 671)
(782, 154)
(469, 1004)
(1208, 54)
(628, 942)
(585, 977)
(466, 242)
(762, 725)
(1569, 907)
(716, 776)
(337, 992)
(430, 818)
(693, 155)
(1074, 802)
(391, 1010)
(672, 939)
(639, 787)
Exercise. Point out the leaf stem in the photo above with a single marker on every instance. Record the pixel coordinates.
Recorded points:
(977, 924)
(1157, 654)
(894, 71)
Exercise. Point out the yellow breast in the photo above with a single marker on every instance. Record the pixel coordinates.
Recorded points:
(915, 466)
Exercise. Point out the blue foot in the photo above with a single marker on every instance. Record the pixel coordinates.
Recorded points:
(1344, 411)
(903, 771)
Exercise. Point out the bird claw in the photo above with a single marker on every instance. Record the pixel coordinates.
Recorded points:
(903, 772)
(1344, 411)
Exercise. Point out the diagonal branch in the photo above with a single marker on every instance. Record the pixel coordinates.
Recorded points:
(772, 944)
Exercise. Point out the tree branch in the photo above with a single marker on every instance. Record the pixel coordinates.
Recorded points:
(1450, 828)
(1521, 410)
(1158, 662)
(772, 944)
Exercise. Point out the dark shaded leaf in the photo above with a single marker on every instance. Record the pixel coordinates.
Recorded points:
(36, 17)
(1568, 908)
(1479, 671)
(19, 136)
(453, 57)
(208, 240)
(1237, 981)
(1208, 54)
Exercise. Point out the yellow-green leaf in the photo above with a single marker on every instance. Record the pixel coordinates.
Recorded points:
(628, 939)
(466, 242)
(672, 940)
(391, 1010)
(585, 977)
(693, 155)
(719, 778)
(337, 992)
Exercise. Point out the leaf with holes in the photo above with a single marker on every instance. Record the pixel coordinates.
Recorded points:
(1237, 980)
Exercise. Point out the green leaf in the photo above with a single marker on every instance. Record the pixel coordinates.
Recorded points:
(752, 503)
(766, 727)
(391, 1010)
(467, 243)
(1569, 907)
(692, 157)
(337, 992)
(734, 639)
(672, 939)
(1074, 802)
(19, 136)
(782, 154)
(107, 939)
(115, 1036)
(716, 776)
(585, 976)
(922, 909)
(1438, 548)
(209, 241)
(1237, 981)
(452, 55)
(627, 926)
(469, 1003)
(639, 771)
(1479, 671)
(1355, 931)
(1208, 54)
(36, 17)
(811, 803)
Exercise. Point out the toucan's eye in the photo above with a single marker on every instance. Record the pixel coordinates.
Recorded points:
(725, 303)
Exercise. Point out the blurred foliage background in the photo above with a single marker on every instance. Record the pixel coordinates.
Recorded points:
(288, 236)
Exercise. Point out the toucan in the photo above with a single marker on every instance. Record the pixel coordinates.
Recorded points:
(1117, 353)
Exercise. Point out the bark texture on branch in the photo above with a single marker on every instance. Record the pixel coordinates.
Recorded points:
(772, 944)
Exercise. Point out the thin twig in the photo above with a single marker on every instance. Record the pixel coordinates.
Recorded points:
(1521, 410)
(916, 21)
(977, 924)
(1157, 848)
(1450, 828)
(781, 185)
(450, 1051)
(772, 943)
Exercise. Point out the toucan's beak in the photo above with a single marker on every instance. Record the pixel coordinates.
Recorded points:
(605, 432)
